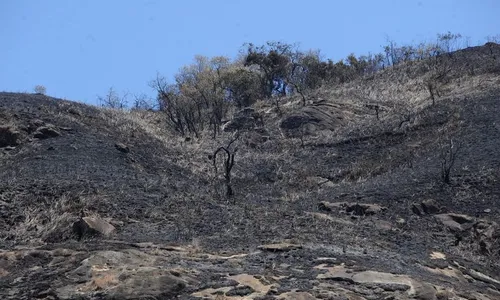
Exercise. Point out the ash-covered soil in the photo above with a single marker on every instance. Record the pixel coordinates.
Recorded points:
(104, 204)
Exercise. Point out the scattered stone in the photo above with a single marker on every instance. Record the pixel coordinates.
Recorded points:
(383, 225)
(401, 222)
(88, 226)
(45, 132)
(437, 255)
(122, 148)
(488, 210)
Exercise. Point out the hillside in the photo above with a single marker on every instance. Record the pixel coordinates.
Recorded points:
(343, 198)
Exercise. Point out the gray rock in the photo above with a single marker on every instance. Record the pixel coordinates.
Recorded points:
(122, 148)
(9, 136)
(89, 226)
(244, 119)
(45, 132)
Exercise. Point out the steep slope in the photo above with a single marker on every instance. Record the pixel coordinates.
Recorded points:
(331, 200)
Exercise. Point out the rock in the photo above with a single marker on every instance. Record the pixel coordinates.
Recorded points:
(387, 281)
(323, 115)
(9, 136)
(297, 121)
(34, 124)
(244, 119)
(357, 209)
(488, 210)
(280, 247)
(417, 209)
(455, 222)
(122, 148)
(487, 234)
(127, 274)
(430, 207)
(45, 132)
(92, 226)
(383, 225)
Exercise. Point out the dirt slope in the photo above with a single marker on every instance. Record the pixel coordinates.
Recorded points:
(345, 205)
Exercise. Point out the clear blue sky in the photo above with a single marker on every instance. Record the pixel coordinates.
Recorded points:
(78, 49)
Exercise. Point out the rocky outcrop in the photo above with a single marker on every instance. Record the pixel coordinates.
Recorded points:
(152, 271)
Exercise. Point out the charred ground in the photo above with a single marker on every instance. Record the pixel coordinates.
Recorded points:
(62, 160)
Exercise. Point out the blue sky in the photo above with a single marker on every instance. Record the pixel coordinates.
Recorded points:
(78, 49)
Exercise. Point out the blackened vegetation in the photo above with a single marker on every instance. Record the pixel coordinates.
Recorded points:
(228, 163)
(449, 153)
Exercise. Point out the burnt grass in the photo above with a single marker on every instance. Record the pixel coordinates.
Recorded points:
(163, 190)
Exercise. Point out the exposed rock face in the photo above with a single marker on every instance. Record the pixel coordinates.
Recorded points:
(244, 119)
(123, 275)
(9, 136)
(153, 271)
(89, 226)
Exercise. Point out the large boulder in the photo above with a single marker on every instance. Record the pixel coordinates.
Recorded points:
(92, 226)
(455, 222)
(244, 119)
(428, 206)
(9, 136)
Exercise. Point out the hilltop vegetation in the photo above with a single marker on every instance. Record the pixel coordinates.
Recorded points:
(279, 175)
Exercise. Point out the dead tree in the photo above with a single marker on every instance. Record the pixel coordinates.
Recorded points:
(228, 163)
(448, 157)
